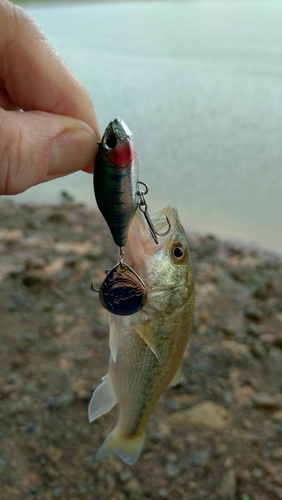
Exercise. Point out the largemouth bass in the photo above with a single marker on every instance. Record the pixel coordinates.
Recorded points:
(147, 347)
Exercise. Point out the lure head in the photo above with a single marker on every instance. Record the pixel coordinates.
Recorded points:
(117, 143)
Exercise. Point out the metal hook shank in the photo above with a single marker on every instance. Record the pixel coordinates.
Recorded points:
(144, 208)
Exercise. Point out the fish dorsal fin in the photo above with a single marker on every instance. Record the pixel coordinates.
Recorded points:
(114, 328)
(146, 332)
(103, 399)
(176, 377)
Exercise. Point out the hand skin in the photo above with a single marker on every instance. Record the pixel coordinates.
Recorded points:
(48, 126)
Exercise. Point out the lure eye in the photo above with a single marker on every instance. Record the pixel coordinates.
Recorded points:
(178, 253)
(111, 141)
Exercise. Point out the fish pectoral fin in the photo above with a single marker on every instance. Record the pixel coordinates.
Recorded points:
(176, 377)
(146, 333)
(103, 399)
(127, 448)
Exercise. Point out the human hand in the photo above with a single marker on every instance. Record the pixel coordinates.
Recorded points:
(48, 126)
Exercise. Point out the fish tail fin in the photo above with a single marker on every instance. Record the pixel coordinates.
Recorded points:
(127, 448)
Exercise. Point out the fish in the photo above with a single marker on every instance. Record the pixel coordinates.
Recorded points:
(116, 179)
(147, 347)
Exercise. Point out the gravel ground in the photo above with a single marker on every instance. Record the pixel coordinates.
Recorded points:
(217, 435)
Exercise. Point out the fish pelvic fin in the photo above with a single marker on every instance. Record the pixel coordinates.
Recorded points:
(147, 334)
(127, 448)
(103, 399)
(115, 327)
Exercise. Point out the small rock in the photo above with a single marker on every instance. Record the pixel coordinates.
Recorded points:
(275, 353)
(220, 449)
(172, 457)
(132, 486)
(33, 278)
(228, 398)
(258, 350)
(64, 400)
(172, 470)
(229, 332)
(125, 475)
(247, 424)
(163, 493)
(254, 330)
(264, 400)
(277, 453)
(278, 340)
(257, 473)
(201, 458)
(253, 312)
(277, 491)
(227, 489)
(192, 486)
(206, 414)
(54, 454)
(277, 416)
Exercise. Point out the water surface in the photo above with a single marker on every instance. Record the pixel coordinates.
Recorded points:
(200, 85)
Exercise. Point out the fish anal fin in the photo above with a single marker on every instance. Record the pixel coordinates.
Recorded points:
(176, 377)
(127, 448)
(147, 334)
(103, 399)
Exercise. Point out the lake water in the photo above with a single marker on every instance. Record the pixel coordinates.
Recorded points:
(200, 85)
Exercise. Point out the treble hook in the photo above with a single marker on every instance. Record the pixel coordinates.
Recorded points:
(144, 209)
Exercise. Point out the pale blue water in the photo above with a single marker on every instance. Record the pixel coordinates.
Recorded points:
(200, 85)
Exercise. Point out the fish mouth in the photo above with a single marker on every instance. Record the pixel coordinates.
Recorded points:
(165, 222)
(161, 219)
(140, 243)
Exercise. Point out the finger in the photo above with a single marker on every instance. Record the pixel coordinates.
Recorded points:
(34, 75)
(37, 146)
(6, 101)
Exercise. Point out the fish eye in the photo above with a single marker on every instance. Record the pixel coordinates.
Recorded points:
(111, 141)
(178, 252)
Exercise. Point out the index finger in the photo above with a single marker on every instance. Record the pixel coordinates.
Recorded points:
(33, 74)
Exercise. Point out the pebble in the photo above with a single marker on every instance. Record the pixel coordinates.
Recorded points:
(258, 350)
(64, 400)
(54, 454)
(277, 453)
(125, 475)
(257, 473)
(220, 449)
(132, 486)
(227, 489)
(163, 493)
(172, 470)
(267, 401)
(278, 340)
(253, 312)
(200, 458)
(254, 330)
(205, 414)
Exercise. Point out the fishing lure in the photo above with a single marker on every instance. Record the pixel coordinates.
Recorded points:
(118, 196)
(116, 176)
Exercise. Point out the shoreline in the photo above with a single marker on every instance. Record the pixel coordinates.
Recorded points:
(222, 422)
(66, 199)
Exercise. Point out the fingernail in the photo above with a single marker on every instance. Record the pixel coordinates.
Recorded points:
(72, 150)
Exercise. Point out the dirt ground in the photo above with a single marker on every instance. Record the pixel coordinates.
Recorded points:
(217, 435)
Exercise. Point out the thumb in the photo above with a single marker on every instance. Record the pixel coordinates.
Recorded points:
(36, 146)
